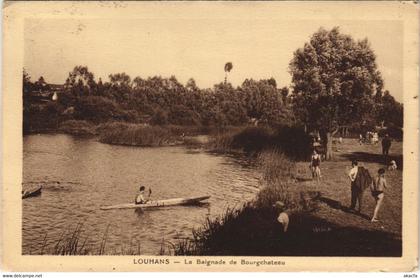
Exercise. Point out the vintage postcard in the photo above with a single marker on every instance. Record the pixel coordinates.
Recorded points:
(210, 136)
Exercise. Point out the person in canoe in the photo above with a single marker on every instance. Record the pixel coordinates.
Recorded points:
(140, 199)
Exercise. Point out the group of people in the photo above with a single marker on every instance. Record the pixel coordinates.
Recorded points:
(360, 177)
(371, 137)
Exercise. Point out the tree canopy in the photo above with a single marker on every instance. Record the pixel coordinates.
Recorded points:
(334, 78)
(161, 101)
(336, 82)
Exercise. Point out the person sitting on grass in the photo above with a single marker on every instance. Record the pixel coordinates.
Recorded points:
(140, 197)
(315, 163)
(283, 218)
(392, 165)
(377, 189)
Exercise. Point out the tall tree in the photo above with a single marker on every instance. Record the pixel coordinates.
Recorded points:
(228, 68)
(120, 86)
(81, 81)
(334, 78)
(389, 112)
(26, 82)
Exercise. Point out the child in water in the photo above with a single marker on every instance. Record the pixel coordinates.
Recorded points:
(378, 187)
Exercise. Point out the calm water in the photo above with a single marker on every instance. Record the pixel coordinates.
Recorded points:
(80, 175)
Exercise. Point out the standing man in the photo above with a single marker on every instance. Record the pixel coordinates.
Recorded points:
(386, 145)
(356, 191)
(360, 179)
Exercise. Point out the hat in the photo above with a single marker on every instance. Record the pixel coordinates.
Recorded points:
(142, 188)
(279, 204)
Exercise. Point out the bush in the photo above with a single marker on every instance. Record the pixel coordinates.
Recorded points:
(41, 117)
(160, 117)
(181, 115)
(294, 142)
(253, 139)
(100, 109)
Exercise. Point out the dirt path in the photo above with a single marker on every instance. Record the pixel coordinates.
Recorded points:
(335, 187)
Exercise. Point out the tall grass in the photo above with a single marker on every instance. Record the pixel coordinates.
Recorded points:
(71, 243)
(136, 135)
(277, 174)
(121, 133)
(74, 242)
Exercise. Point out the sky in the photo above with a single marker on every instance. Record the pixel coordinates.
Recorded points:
(194, 47)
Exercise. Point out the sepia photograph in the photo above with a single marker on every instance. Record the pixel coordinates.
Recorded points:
(238, 132)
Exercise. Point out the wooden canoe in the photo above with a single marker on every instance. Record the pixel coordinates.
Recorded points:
(35, 191)
(160, 203)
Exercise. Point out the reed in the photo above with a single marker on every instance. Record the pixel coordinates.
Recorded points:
(136, 135)
(71, 243)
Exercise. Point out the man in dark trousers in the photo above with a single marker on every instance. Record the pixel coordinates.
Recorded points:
(386, 145)
(360, 179)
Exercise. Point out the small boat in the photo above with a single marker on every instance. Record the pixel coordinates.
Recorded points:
(160, 203)
(35, 191)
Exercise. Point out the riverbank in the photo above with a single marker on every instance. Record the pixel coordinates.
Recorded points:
(320, 223)
(143, 135)
(132, 134)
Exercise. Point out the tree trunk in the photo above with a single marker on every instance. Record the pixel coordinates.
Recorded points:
(328, 147)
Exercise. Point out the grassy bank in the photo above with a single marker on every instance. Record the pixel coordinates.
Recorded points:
(320, 223)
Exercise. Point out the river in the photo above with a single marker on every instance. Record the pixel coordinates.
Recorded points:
(79, 175)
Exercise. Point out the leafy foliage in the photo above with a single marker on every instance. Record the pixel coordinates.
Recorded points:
(334, 78)
(161, 101)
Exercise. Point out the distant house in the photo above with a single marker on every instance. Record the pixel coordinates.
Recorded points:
(56, 90)
(50, 92)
